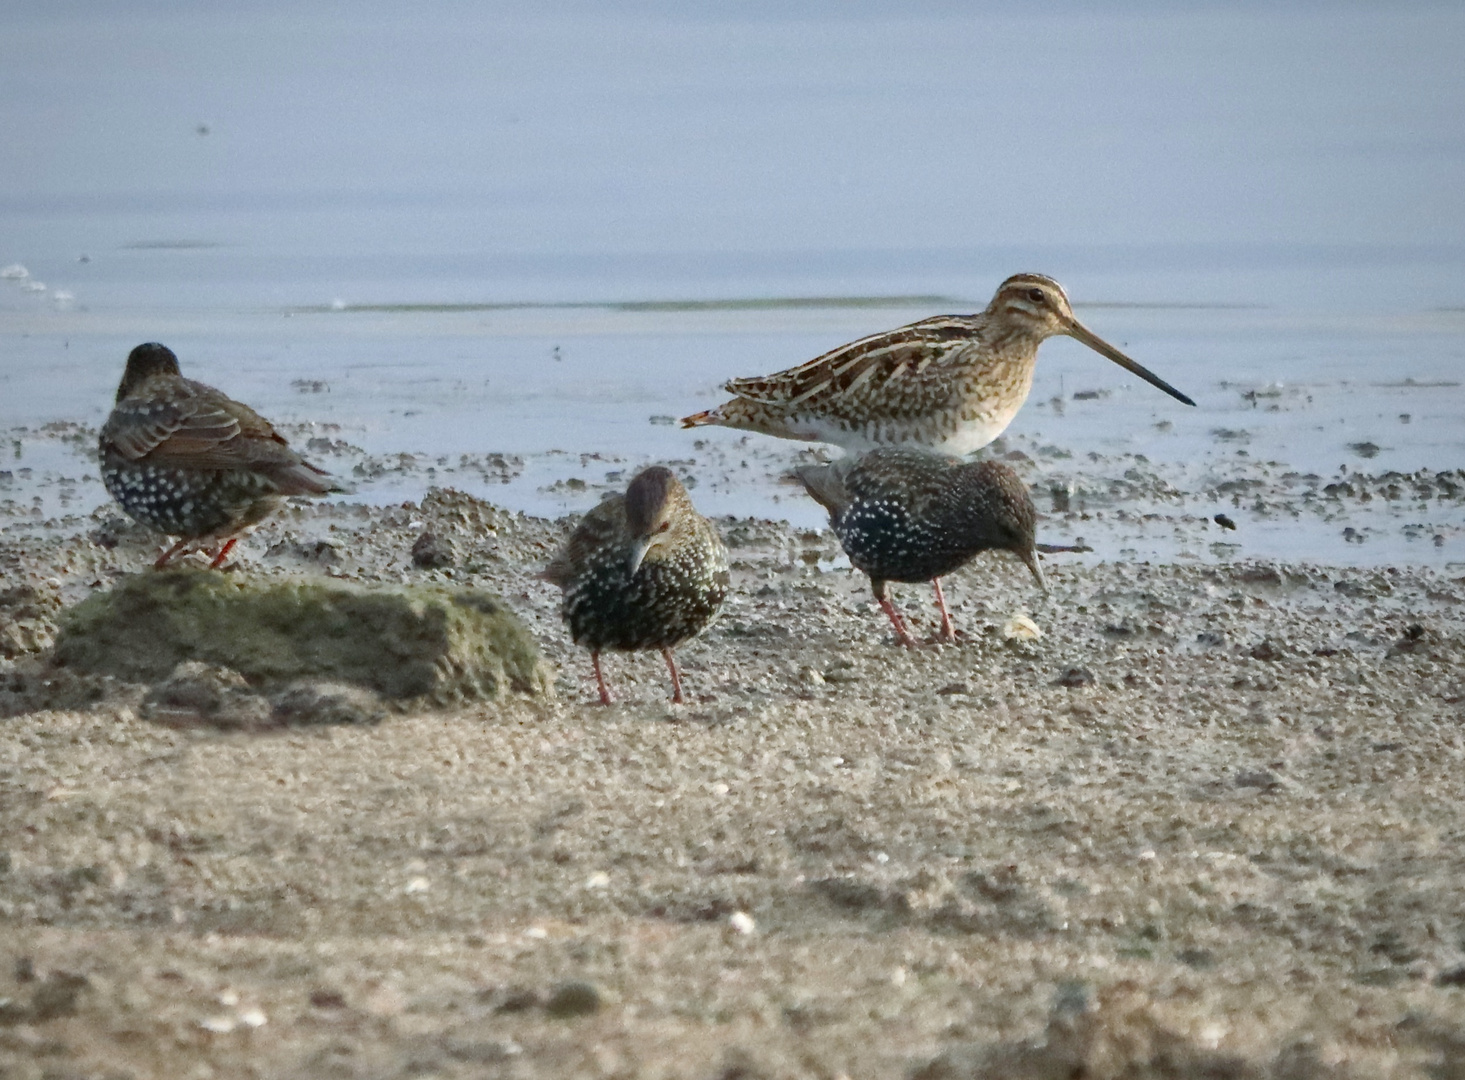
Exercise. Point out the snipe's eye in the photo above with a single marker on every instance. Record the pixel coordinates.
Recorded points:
(1037, 296)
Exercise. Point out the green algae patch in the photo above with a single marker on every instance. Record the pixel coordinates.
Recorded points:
(405, 642)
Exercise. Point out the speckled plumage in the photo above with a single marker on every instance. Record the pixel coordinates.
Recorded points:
(903, 514)
(951, 383)
(642, 570)
(189, 461)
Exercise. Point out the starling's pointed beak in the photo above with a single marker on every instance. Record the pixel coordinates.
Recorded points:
(638, 553)
(1079, 332)
(1030, 557)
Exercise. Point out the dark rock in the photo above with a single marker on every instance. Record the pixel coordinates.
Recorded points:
(444, 645)
(1075, 677)
(318, 702)
(201, 693)
(850, 893)
(1200, 959)
(13, 1012)
(434, 552)
(571, 999)
(1258, 778)
(1415, 635)
(1453, 977)
(1268, 649)
(56, 997)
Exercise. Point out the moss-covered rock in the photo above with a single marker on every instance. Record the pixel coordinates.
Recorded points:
(444, 645)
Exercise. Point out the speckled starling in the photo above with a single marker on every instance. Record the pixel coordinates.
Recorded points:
(642, 570)
(185, 459)
(911, 515)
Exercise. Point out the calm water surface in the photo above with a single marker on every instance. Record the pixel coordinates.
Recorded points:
(511, 247)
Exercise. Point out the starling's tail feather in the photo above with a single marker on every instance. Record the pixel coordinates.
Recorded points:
(306, 479)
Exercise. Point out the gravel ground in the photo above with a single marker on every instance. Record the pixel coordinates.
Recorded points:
(1209, 823)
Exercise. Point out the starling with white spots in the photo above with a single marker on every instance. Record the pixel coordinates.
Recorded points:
(911, 515)
(189, 461)
(642, 570)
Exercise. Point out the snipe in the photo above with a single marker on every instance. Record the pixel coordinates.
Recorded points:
(951, 383)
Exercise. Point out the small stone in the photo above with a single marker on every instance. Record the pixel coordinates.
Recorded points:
(320, 702)
(56, 997)
(571, 999)
(1021, 628)
(253, 1018)
(218, 1025)
(433, 552)
(1267, 650)
(514, 999)
(1200, 959)
(418, 885)
(741, 922)
(198, 692)
(1075, 677)
(327, 999)
(12, 1012)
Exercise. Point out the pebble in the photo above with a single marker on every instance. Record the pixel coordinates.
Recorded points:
(1021, 628)
(313, 701)
(434, 552)
(571, 999)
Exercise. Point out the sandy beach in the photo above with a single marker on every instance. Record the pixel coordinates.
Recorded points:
(1198, 812)
(1208, 824)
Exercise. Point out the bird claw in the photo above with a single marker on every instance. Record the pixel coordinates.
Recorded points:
(953, 638)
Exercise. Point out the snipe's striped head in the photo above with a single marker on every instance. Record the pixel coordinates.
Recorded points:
(1035, 307)
(1031, 305)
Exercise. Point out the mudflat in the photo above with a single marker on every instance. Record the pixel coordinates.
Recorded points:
(1209, 823)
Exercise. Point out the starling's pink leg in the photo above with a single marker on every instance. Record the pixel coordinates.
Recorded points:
(164, 558)
(901, 633)
(676, 678)
(600, 677)
(223, 552)
(948, 629)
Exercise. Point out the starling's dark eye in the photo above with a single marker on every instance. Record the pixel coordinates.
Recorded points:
(1036, 296)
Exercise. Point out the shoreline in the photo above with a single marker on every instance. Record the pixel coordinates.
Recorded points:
(1213, 810)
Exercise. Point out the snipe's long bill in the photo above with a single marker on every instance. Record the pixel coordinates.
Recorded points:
(1079, 332)
(950, 383)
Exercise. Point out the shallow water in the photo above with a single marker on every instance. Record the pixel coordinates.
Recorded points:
(535, 240)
